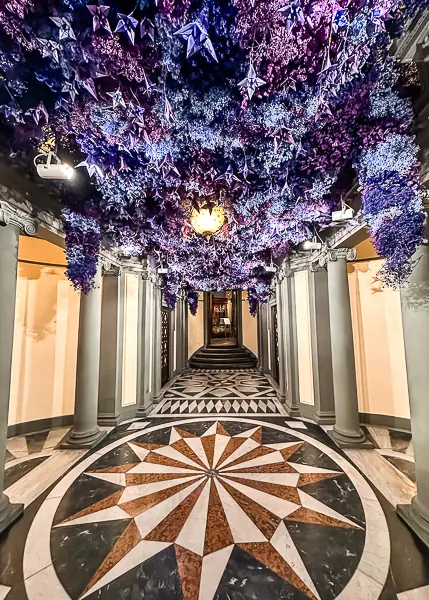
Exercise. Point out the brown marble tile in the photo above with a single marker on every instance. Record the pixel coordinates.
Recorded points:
(307, 515)
(170, 527)
(232, 446)
(159, 459)
(220, 429)
(143, 478)
(148, 446)
(189, 566)
(267, 555)
(264, 520)
(280, 491)
(140, 505)
(208, 443)
(183, 433)
(218, 533)
(288, 452)
(183, 447)
(257, 436)
(280, 467)
(306, 478)
(116, 469)
(255, 453)
(101, 505)
(130, 538)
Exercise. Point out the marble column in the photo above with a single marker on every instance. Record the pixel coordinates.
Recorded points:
(347, 432)
(146, 346)
(157, 392)
(111, 346)
(291, 345)
(85, 432)
(282, 390)
(12, 220)
(415, 319)
(321, 346)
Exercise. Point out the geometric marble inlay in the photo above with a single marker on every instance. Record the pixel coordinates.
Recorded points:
(206, 496)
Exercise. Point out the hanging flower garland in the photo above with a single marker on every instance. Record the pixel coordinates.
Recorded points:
(168, 107)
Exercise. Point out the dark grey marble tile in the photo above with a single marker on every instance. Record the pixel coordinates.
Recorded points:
(406, 467)
(15, 473)
(36, 441)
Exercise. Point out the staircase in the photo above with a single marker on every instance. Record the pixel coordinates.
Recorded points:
(223, 357)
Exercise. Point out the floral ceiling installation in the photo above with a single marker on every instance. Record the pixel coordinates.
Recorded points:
(268, 108)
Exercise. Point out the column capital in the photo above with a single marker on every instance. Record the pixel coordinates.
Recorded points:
(149, 274)
(334, 254)
(110, 269)
(12, 215)
(283, 272)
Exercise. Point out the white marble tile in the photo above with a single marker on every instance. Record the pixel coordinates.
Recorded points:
(269, 459)
(116, 478)
(278, 506)
(327, 427)
(394, 486)
(296, 424)
(138, 491)
(17, 446)
(28, 488)
(54, 437)
(43, 583)
(395, 454)
(361, 587)
(381, 436)
(242, 527)
(4, 590)
(37, 554)
(421, 593)
(193, 533)
(138, 425)
(213, 568)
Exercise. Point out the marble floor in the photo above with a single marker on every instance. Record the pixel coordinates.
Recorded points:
(195, 506)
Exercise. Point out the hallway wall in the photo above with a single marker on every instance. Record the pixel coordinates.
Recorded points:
(250, 327)
(45, 336)
(303, 330)
(379, 343)
(196, 328)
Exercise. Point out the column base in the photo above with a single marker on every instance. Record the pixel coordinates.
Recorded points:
(143, 411)
(76, 441)
(418, 524)
(9, 513)
(292, 410)
(108, 419)
(357, 441)
(324, 417)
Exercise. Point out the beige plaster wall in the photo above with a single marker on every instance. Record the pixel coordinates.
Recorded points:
(131, 318)
(45, 335)
(196, 328)
(378, 342)
(305, 362)
(250, 327)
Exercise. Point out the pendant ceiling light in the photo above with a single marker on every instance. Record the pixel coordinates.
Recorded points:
(206, 222)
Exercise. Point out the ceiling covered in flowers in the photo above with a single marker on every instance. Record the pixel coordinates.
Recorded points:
(267, 108)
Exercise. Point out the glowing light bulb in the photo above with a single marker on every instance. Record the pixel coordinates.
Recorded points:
(205, 222)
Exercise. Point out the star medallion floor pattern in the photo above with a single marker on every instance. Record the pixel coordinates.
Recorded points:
(231, 508)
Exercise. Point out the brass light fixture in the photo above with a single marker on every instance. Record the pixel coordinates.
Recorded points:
(205, 222)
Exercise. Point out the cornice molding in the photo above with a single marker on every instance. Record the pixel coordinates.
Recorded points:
(12, 215)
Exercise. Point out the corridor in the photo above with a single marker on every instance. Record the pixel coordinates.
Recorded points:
(186, 504)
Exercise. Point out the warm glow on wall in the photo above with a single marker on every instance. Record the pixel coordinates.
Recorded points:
(205, 222)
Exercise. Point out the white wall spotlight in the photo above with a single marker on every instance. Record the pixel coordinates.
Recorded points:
(51, 167)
